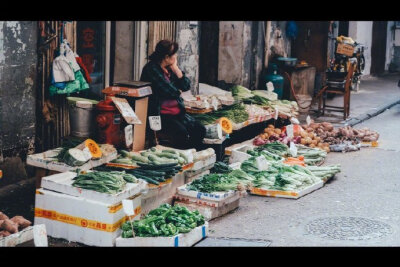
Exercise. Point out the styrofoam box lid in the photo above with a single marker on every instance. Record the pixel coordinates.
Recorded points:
(62, 182)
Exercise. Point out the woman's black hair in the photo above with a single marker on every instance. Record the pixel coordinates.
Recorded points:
(164, 48)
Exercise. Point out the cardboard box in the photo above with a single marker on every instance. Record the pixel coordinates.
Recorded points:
(209, 212)
(126, 91)
(228, 150)
(195, 175)
(82, 220)
(345, 49)
(180, 240)
(62, 183)
(286, 194)
(44, 160)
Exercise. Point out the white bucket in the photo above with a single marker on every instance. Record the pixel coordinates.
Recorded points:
(304, 102)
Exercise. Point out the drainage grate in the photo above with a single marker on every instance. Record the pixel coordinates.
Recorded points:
(348, 228)
(232, 242)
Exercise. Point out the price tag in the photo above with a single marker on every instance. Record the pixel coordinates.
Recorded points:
(206, 104)
(40, 235)
(289, 131)
(262, 163)
(214, 103)
(127, 205)
(129, 135)
(270, 86)
(276, 113)
(155, 123)
(87, 154)
(294, 120)
(293, 149)
(308, 120)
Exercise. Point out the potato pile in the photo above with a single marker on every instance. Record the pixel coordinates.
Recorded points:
(330, 135)
(11, 226)
(311, 139)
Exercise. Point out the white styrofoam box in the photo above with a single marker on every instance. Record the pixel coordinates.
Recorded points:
(62, 182)
(286, 194)
(202, 163)
(82, 220)
(44, 160)
(214, 141)
(20, 237)
(206, 89)
(180, 240)
(239, 154)
(214, 196)
(156, 196)
(211, 212)
(228, 150)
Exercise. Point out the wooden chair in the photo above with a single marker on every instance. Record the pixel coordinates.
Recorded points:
(345, 91)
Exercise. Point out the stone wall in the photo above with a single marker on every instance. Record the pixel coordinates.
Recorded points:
(18, 61)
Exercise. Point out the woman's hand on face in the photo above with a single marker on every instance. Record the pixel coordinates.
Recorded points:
(176, 70)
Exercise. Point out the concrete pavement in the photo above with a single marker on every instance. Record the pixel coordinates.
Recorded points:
(359, 207)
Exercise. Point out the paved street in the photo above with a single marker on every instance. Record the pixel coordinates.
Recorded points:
(359, 207)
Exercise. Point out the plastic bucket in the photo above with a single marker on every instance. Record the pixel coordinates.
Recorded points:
(82, 118)
(304, 102)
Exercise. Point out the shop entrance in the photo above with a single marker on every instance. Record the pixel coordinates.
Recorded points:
(378, 47)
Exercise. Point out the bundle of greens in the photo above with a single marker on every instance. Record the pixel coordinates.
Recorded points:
(236, 113)
(104, 182)
(276, 148)
(312, 156)
(163, 221)
(258, 100)
(324, 172)
(222, 182)
(221, 167)
(239, 92)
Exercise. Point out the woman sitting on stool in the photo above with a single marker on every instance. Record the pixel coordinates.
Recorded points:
(167, 84)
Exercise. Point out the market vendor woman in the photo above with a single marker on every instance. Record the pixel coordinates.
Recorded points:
(167, 84)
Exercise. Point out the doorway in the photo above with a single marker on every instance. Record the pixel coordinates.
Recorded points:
(378, 47)
(208, 59)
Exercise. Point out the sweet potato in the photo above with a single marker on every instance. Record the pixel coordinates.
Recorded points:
(9, 226)
(4, 233)
(3, 216)
(21, 222)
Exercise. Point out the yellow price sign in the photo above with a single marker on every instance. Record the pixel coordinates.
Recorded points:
(1, 174)
(374, 144)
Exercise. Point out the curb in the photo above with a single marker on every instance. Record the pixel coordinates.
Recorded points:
(368, 116)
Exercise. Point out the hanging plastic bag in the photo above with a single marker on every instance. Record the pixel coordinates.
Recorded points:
(70, 56)
(62, 70)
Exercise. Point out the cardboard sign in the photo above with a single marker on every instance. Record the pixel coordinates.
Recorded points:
(127, 205)
(214, 103)
(126, 110)
(289, 130)
(308, 120)
(40, 235)
(270, 86)
(155, 123)
(129, 135)
(125, 91)
(262, 163)
(293, 149)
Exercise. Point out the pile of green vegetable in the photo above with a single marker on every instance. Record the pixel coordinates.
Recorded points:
(324, 172)
(221, 182)
(312, 156)
(236, 113)
(240, 92)
(163, 221)
(221, 167)
(152, 156)
(151, 173)
(104, 182)
(276, 148)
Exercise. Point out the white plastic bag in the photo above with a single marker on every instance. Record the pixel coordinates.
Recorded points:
(62, 70)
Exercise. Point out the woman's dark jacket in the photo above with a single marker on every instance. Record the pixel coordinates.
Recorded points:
(162, 89)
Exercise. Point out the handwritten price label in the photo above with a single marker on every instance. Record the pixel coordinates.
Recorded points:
(155, 123)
